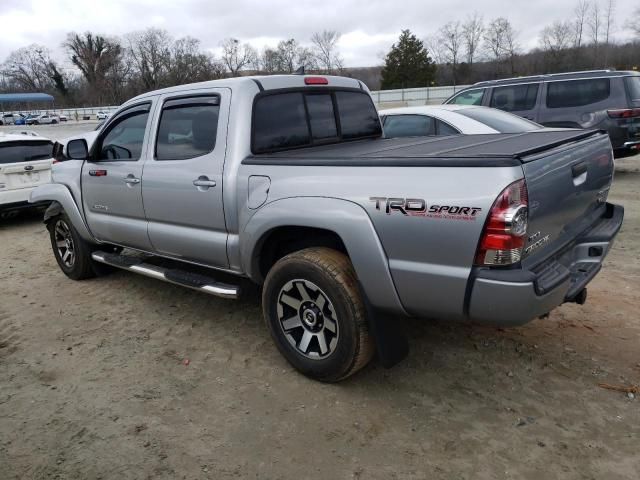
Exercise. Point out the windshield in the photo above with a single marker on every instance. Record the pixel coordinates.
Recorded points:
(501, 121)
(633, 87)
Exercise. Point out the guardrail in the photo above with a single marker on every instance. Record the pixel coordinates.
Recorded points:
(415, 96)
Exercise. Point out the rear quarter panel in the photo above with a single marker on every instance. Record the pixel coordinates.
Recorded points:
(429, 256)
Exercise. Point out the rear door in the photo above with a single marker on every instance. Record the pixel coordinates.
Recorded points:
(111, 180)
(574, 103)
(182, 183)
(24, 164)
(521, 99)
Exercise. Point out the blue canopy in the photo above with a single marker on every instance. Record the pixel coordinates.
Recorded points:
(25, 97)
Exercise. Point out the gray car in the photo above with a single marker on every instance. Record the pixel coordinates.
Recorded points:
(286, 182)
(605, 99)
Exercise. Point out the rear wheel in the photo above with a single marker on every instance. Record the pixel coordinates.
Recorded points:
(72, 252)
(316, 315)
(54, 121)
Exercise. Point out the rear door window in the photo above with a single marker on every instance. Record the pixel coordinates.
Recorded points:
(577, 93)
(408, 126)
(514, 98)
(303, 118)
(187, 128)
(469, 97)
(25, 152)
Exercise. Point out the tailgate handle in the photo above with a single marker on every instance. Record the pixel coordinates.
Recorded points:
(578, 169)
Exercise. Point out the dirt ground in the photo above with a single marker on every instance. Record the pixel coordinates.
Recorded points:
(94, 383)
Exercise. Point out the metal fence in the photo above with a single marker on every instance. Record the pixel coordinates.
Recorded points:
(415, 96)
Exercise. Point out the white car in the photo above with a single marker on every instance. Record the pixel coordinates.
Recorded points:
(451, 120)
(63, 118)
(25, 163)
(102, 115)
(43, 119)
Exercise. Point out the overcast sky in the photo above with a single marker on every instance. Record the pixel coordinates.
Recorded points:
(368, 27)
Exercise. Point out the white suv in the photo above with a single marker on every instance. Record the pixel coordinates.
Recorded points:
(25, 163)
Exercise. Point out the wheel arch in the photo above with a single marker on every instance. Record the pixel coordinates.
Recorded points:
(321, 221)
(61, 200)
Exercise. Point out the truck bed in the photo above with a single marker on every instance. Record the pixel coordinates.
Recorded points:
(458, 150)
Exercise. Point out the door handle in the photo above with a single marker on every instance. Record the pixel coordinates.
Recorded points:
(131, 180)
(203, 182)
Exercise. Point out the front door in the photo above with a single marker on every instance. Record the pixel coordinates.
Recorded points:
(111, 181)
(182, 183)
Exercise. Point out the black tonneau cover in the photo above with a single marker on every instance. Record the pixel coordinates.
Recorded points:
(459, 150)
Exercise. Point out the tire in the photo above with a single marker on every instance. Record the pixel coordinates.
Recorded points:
(72, 252)
(53, 122)
(313, 295)
(36, 123)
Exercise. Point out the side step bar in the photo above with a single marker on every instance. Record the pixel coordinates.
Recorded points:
(183, 278)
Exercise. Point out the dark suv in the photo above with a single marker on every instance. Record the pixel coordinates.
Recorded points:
(605, 99)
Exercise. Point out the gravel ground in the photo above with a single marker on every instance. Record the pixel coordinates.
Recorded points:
(94, 383)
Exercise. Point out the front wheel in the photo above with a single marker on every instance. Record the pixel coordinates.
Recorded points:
(54, 122)
(72, 252)
(316, 315)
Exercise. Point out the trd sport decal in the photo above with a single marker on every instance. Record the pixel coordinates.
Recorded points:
(417, 207)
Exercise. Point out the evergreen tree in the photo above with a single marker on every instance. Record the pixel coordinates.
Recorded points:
(408, 64)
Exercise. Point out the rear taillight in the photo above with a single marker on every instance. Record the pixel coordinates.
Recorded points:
(624, 113)
(505, 231)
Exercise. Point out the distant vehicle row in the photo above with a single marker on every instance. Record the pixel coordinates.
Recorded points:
(602, 99)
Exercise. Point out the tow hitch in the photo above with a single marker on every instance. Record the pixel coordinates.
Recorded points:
(580, 298)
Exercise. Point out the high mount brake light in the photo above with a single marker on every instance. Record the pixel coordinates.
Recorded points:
(316, 81)
(624, 113)
(505, 231)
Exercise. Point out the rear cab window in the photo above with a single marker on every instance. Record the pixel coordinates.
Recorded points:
(577, 93)
(468, 97)
(308, 117)
(515, 98)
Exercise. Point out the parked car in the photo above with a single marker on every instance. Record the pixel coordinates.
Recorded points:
(42, 119)
(605, 99)
(102, 115)
(7, 119)
(19, 119)
(63, 118)
(287, 181)
(25, 163)
(451, 120)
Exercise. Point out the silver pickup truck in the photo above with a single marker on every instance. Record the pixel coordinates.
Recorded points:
(287, 181)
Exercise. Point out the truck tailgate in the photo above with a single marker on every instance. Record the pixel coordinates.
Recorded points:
(567, 187)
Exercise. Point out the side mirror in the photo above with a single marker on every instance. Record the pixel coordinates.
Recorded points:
(77, 149)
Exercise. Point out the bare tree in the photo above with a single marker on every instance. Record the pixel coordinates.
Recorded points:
(472, 31)
(238, 56)
(633, 23)
(435, 49)
(189, 64)
(151, 54)
(325, 51)
(451, 37)
(556, 39)
(29, 68)
(580, 12)
(269, 60)
(93, 54)
(500, 40)
(608, 27)
(595, 23)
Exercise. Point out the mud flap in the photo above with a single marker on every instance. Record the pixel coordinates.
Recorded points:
(392, 344)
